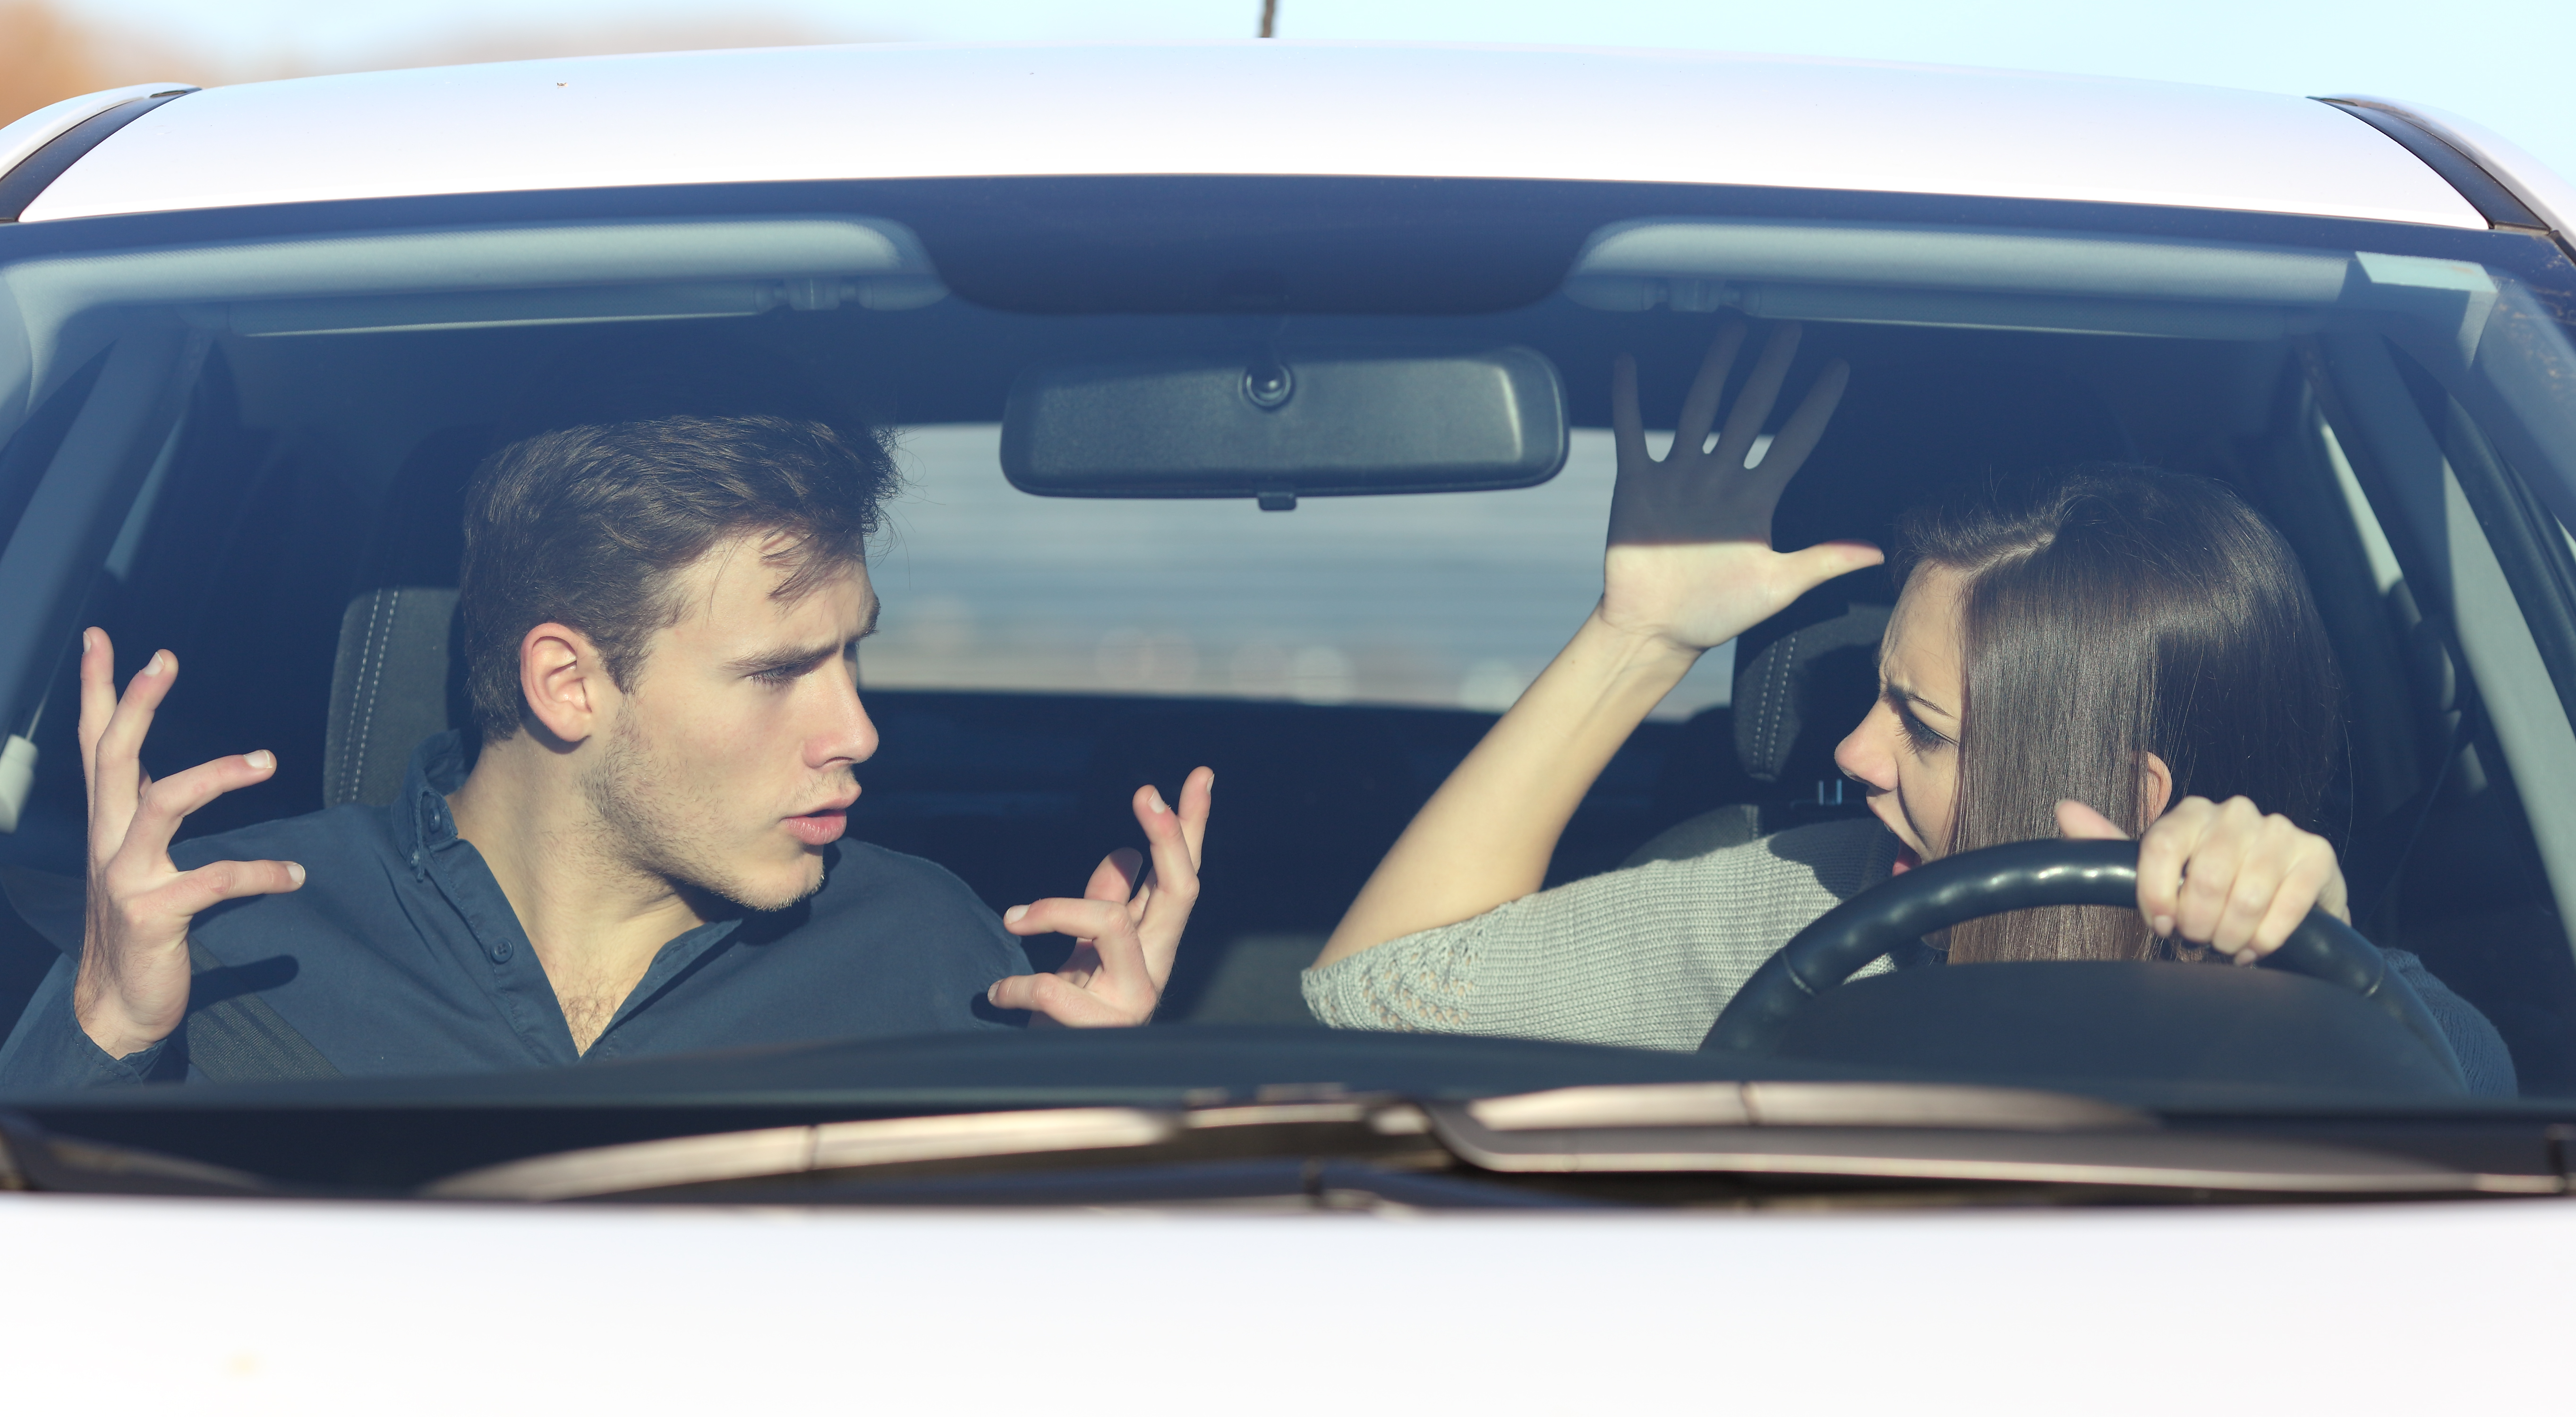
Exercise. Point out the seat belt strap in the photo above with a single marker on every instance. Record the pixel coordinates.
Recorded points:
(238, 1037)
(2403, 827)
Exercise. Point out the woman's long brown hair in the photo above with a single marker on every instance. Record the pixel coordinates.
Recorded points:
(2110, 611)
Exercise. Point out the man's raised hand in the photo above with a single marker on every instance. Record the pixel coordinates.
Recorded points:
(1126, 931)
(132, 988)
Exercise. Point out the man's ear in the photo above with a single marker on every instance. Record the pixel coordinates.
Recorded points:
(565, 681)
(2155, 788)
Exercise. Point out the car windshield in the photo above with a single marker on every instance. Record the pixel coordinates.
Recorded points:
(1304, 481)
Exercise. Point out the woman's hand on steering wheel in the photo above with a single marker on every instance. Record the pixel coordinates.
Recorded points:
(2223, 874)
(1690, 559)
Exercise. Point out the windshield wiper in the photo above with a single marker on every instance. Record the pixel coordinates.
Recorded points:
(1891, 1132)
(34, 1159)
(912, 1147)
(1816, 1132)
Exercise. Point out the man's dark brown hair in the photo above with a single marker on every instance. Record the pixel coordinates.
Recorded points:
(588, 526)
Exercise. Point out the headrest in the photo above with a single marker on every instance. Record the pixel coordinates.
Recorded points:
(393, 685)
(1800, 694)
(397, 678)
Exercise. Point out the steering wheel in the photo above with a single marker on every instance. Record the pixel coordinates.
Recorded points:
(2019, 876)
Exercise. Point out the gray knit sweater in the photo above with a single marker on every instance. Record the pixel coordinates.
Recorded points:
(1646, 956)
(1642, 957)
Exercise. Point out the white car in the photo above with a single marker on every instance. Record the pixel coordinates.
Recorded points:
(1159, 331)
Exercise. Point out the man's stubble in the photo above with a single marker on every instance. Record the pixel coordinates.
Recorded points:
(656, 828)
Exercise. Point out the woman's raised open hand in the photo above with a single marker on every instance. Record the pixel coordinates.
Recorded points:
(1690, 558)
(132, 988)
(1690, 566)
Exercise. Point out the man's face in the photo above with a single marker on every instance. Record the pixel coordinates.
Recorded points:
(727, 765)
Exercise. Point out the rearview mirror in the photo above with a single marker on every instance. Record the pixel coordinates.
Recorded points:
(1281, 425)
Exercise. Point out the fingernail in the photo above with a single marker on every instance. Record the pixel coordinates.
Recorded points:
(89, 640)
(1012, 915)
(2163, 925)
(153, 665)
(296, 871)
(1155, 796)
(262, 760)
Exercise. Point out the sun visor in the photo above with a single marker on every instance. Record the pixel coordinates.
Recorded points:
(2005, 279)
(565, 273)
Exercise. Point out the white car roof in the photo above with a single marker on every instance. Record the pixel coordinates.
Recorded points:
(894, 111)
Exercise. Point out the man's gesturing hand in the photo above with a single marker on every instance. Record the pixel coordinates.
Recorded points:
(1126, 931)
(133, 982)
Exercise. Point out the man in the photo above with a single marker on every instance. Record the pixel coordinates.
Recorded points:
(660, 621)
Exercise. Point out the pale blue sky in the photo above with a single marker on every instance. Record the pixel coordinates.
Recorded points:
(2503, 62)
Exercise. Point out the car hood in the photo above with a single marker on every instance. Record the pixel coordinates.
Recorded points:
(306, 1306)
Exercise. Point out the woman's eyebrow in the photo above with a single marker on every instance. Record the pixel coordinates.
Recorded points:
(1902, 697)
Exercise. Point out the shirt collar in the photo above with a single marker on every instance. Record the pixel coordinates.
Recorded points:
(422, 824)
(421, 821)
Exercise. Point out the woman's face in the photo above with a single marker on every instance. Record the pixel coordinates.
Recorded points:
(1906, 752)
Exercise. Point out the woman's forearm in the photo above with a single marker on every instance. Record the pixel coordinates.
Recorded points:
(1688, 564)
(1485, 837)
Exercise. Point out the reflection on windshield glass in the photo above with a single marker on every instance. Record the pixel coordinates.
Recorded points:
(1450, 601)
(539, 664)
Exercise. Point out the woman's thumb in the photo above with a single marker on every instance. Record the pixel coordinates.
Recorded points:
(1819, 564)
(2077, 822)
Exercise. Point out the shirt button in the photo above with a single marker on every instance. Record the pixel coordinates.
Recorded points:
(500, 952)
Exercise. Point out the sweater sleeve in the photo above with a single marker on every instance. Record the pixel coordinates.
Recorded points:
(1639, 958)
(2484, 1060)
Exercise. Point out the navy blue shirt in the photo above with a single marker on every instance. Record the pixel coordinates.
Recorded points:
(400, 955)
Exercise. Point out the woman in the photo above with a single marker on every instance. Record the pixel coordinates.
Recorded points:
(2100, 652)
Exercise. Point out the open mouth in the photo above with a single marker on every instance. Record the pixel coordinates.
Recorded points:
(820, 828)
(1906, 860)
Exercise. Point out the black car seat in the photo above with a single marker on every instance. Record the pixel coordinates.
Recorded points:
(1905, 433)
(399, 676)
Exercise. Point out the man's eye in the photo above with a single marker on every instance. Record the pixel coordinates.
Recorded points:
(780, 677)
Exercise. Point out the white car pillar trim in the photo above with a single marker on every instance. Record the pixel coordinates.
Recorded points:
(2496, 202)
(32, 171)
(22, 136)
(2547, 193)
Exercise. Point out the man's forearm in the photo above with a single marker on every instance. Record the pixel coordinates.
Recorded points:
(1486, 836)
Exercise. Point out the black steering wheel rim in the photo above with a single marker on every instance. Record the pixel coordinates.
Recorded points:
(2021, 876)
